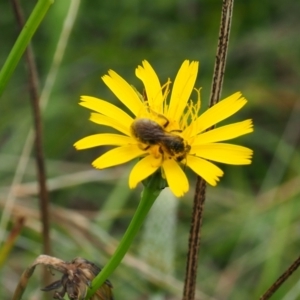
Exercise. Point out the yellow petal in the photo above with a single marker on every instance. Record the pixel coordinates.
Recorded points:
(117, 156)
(107, 121)
(105, 108)
(182, 88)
(224, 133)
(152, 85)
(219, 112)
(124, 91)
(225, 153)
(208, 171)
(142, 169)
(103, 139)
(176, 178)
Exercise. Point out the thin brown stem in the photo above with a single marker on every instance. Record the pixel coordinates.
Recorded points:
(38, 142)
(200, 190)
(275, 286)
(222, 49)
(194, 241)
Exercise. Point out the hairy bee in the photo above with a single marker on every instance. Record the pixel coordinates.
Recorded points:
(150, 133)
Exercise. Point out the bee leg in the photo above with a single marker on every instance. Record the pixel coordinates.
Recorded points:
(143, 146)
(180, 158)
(176, 130)
(167, 121)
(161, 150)
(162, 117)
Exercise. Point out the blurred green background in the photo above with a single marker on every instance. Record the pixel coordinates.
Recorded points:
(251, 224)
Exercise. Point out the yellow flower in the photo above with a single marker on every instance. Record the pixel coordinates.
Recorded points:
(166, 134)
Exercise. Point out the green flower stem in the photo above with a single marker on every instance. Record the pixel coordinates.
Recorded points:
(149, 195)
(22, 41)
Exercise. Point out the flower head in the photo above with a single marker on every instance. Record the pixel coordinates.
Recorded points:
(166, 134)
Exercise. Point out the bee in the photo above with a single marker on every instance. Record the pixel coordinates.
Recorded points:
(150, 133)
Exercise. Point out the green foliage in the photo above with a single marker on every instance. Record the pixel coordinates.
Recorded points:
(250, 230)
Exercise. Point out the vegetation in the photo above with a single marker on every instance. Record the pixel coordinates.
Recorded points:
(250, 229)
